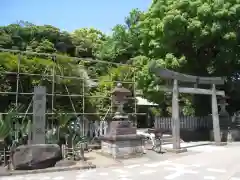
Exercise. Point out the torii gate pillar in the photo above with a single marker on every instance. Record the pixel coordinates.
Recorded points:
(176, 120)
(215, 117)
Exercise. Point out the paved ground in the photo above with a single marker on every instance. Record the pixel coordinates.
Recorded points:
(218, 163)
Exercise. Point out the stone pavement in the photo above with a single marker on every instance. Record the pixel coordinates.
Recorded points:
(99, 160)
(221, 163)
(102, 161)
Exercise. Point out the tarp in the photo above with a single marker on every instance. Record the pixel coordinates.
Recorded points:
(144, 102)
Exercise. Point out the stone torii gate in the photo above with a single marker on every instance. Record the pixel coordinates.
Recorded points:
(176, 77)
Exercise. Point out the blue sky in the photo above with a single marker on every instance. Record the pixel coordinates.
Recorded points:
(70, 14)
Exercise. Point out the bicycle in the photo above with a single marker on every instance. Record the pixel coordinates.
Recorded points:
(154, 138)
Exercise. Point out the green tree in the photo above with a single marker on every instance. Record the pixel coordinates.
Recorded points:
(205, 32)
(197, 37)
(45, 46)
(5, 40)
(124, 42)
(27, 36)
(87, 41)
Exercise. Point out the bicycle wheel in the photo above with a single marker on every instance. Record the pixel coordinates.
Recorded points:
(148, 144)
(158, 147)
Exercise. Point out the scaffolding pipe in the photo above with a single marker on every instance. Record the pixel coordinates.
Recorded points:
(64, 95)
(53, 86)
(68, 91)
(83, 104)
(60, 76)
(78, 113)
(17, 84)
(54, 76)
(75, 59)
(29, 105)
(16, 97)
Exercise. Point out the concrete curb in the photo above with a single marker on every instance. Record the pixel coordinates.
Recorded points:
(55, 169)
(118, 159)
(186, 147)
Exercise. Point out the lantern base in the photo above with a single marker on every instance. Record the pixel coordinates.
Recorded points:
(122, 147)
(121, 141)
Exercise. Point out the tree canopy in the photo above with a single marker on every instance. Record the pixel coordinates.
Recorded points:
(196, 37)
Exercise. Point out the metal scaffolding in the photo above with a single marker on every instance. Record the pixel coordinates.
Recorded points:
(51, 74)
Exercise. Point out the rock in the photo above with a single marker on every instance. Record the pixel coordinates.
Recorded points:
(36, 156)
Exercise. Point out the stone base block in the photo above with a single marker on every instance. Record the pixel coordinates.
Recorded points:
(122, 148)
(223, 134)
(234, 134)
(181, 150)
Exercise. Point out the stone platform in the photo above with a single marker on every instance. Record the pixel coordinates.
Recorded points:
(122, 141)
(122, 146)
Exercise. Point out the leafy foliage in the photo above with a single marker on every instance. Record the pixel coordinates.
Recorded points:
(6, 124)
(197, 37)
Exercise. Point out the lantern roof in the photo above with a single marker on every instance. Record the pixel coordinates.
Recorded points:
(119, 89)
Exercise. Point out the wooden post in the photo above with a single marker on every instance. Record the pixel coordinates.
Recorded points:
(175, 116)
(215, 117)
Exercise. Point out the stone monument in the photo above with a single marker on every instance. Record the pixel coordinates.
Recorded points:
(224, 119)
(37, 154)
(121, 140)
(39, 115)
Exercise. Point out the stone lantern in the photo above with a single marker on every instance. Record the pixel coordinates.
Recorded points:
(121, 140)
(222, 103)
(224, 118)
(181, 107)
(120, 95)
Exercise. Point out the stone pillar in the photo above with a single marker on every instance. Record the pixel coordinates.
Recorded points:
(39, 115)
(215, 117)
(176, 119)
